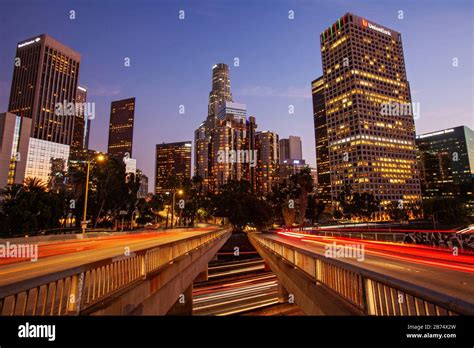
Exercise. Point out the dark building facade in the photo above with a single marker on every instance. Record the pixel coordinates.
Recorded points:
(323, 172)
(446, 162)
(45, 75)
(80, 139)
(122, 116)
(371, 143)
(172, 160)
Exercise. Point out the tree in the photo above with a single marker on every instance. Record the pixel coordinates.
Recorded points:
(360, 205)
(30, 208)
(282, 201)
(304, 182)
(315, 208)
(237, 203)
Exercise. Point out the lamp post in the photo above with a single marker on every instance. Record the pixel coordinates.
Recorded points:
(99, 158)
(180, 192)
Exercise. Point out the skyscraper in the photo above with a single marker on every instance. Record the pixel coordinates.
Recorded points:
(446, 162)
(220, 92)
(172, 160)
(267, 173)
(234, 155)
(370, 126)
(45, 75)
(80, 139)
(122, 115)
(323, 173)
(201, 153)
(14, 138)
(226, 131)
(290, 149)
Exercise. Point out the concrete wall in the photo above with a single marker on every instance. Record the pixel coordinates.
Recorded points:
(157, 294)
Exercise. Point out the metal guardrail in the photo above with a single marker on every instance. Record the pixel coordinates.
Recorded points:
(73, 290)
(370, 292)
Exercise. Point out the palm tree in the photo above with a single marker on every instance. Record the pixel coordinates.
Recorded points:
(34, 185)
(10, 192)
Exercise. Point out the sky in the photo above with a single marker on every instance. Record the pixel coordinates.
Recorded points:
(278, 57)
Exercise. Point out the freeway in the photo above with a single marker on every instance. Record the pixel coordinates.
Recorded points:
(425, 266)
(57, 256)
(236, 296)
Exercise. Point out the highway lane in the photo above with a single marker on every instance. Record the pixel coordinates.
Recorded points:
(235, 268)
(420, 265)
(57, 256)
(236, 296)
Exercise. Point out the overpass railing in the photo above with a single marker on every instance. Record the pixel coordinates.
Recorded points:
(370, 292)
(75, 289)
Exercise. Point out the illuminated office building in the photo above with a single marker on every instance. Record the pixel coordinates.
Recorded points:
(267, 146)
(220, 92)
(43, 156)
(234, 153)
(226, 131)
(82, 126)
(122, 115)
(291, 167)
(323, 172)
(204, 136)
(201, 153)
(14, 139)
(172, 160)
(371, 143)
(446, 162)
(45, 75)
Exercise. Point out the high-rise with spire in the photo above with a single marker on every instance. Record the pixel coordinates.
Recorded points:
(226, 130)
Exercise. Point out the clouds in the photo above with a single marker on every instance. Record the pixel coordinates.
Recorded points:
(103, 90)
(265, 91)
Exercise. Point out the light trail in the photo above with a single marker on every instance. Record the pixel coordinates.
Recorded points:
(396, 251)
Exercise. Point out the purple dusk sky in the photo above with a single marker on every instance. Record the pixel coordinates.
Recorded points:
(171, 59)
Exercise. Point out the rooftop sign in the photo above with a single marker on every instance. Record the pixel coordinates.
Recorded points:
(367, 24)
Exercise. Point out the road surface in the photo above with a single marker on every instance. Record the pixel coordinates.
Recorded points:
(57, 256)
(425, 266)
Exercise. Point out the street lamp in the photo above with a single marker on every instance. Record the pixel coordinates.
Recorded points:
(99, 158)
(180, 192)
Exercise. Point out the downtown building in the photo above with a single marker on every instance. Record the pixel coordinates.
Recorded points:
(291, 158)
(268, 153)
(446, 162)
(370, 143)
(122, 116)
(45, 76)
(290, 149)
(323, 172)
(14, 140)
(173, 160)
(234, 156)
(82, 126)
(225, 141)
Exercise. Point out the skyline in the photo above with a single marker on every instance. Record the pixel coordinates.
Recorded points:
(266, 95)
